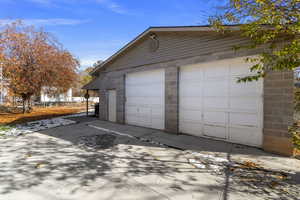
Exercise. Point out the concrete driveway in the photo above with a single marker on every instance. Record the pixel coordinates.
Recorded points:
(94, 160)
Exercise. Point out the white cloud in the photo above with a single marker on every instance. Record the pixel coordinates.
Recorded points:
(90, 60)
(45, 22)
(116, 7)
(43, 2)
(108, 4)
(113, 6)
(87, 61)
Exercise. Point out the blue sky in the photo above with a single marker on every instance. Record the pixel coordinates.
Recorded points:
(94, 29)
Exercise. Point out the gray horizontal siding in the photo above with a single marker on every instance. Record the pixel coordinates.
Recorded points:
(175, 46)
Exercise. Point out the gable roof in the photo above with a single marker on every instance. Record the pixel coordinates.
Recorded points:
(205, 28)
(92, 85)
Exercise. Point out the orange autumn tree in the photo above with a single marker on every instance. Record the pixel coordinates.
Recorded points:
(33, 61)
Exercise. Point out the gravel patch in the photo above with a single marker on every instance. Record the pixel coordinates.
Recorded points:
(35, 126)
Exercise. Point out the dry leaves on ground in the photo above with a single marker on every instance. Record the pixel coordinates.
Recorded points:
(37, 114)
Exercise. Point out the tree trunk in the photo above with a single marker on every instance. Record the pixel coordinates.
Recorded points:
(29, 105)
(24, 106)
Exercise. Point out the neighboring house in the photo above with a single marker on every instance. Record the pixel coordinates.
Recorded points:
(64, 97)
(3, 95)
(82, 99)
(44, 97)
(184, 80)
(3, 89)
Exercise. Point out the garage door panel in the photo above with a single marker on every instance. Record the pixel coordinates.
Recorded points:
(215, 103)
(244, 119)
(133, 119)
(145, 99)
(244, 89)
(157, 111)
(134, 82)
(158, 123)
(216, 70)
(191, 128)
(144, 111)
(145, 91)
(215, 88)
(145, 120)
(132, 110)
(238, 67)
(189, 103)
(238, 71)
(145, 77)
(248, 136)
(246, 104)
(191, 73)
(191, 90)
(215, 118)
(191, 115)
(215, 131)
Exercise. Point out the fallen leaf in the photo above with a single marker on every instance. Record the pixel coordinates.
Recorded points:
(249, 180)
(39, 165)
(250, 164)
(274, 184)
(28, 155)
(282, 177)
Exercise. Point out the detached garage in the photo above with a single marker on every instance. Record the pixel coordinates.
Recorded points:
(183, 80)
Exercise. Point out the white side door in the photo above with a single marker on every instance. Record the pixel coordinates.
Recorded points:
(112, 105)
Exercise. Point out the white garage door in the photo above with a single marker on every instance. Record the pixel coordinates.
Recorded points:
(212, 103)
(145, 99)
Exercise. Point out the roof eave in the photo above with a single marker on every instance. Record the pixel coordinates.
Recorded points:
(162, 29)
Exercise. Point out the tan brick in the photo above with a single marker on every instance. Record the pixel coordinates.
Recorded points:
(171, 100)
(278, 145)
(278, 112)
(288, 75)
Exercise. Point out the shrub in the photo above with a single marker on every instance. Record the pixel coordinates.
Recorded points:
(295, 132)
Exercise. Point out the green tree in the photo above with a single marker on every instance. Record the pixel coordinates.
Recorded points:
(271, 23)
(84, 78)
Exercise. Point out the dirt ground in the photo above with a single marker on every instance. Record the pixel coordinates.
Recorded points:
(38, 113)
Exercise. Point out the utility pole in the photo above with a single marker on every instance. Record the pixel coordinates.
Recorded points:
(87, 96)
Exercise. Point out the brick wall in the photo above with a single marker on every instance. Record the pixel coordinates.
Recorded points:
(102, 105)
(120, 87)
(278, 112)
(171, 99)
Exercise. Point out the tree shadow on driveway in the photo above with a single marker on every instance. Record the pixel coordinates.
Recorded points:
(67, 156)
(33, 160)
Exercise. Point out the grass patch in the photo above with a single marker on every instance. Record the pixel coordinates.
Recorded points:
(5, 128)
